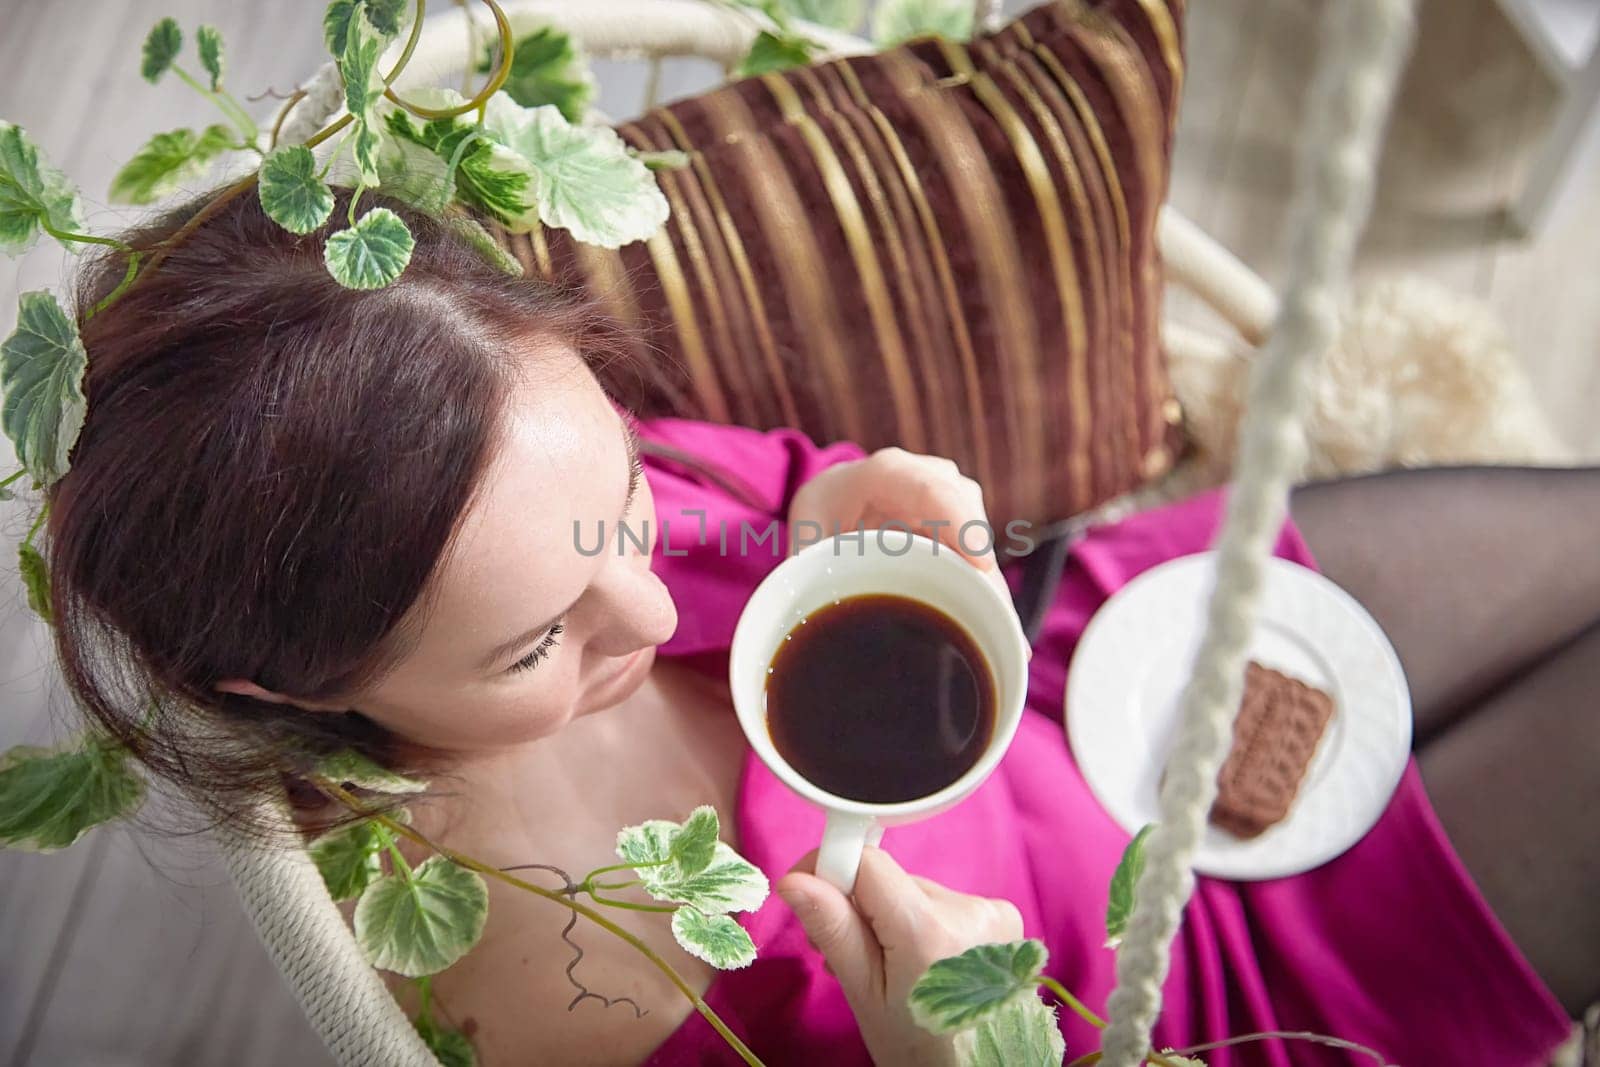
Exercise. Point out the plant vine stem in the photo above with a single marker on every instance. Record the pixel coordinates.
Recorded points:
(1288, 1035)
(339, 794)
(225, 103)
(508, 47)
(1078, 1007)
(13, 476)
(400, 865)
(629, 906)
(243, 185)
(81, 238)
(127, 280)
(283, 114)
(623, 867)
(248, 182)
(44, 513)
(613, 885)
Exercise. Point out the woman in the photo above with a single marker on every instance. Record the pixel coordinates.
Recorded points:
(329, 519)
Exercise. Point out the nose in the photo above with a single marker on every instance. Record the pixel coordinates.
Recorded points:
(625, 609)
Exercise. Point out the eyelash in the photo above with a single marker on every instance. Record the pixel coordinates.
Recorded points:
(541, 650)
(634, 477)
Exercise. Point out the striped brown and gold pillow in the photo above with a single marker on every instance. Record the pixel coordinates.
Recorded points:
(946, 247)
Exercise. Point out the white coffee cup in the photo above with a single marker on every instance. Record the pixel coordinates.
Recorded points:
(888, 561)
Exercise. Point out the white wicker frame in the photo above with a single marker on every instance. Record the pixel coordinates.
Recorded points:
(300, 925)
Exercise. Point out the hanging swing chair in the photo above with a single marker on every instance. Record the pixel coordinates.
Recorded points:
(1362, 52)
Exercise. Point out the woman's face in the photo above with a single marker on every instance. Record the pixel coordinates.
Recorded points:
(524, 631)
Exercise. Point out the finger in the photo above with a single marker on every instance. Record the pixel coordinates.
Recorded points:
(835, 928)
(889, 899)
(997, 917)
(949, 508)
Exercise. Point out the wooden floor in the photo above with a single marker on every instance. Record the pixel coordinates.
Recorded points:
(130, 947)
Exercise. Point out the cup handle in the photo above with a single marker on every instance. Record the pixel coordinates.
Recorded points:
(843, 838)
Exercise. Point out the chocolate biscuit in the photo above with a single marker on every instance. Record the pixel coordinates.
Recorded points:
(1280, 721)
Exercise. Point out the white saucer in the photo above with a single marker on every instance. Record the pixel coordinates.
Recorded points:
(1128, 674)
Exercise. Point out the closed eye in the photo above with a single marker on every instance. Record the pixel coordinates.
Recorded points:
(540, 651)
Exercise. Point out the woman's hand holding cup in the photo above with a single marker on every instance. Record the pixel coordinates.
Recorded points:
(927, 494)
(880, 940)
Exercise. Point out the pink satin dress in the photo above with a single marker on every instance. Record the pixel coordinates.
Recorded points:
(1390, 944)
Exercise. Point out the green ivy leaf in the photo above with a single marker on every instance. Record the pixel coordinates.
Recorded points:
(348, 858)
(166, 161)
(1120, 906)
(717, 939)
(958, 991)
(385, 16)
(423, 923)
(365, 144)
(488, 175)
(36, 579)
(727, 883)
(482, 241)
(771, 51)
(372, 253)
(358, 63)
(843, 15)
(414, 175)
(388, 15)
(499, 182)
(291, 193)
(450, 1047)
(1022, 1033)
(209, 40)
(161, 47)
(694, 844)
(350, 768)
(335, 22)
(363, 85)
(50, 798)
(586, 181)
(31, 190)
(41, 373)
(894, 21)
(546, 69)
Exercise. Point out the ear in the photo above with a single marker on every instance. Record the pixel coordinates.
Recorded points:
(243, 687)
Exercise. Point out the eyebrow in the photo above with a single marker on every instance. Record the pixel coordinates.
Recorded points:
(502, 651)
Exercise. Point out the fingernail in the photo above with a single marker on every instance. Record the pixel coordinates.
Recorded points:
(793, 899)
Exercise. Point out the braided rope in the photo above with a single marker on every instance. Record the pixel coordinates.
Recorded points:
(1365, 42)
(306, 936)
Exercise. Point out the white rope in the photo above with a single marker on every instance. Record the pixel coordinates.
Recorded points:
(307, 938)
(1365, 42)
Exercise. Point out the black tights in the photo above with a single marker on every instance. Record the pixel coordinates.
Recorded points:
(1487, 581)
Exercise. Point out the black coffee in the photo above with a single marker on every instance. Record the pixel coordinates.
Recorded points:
(880, 698)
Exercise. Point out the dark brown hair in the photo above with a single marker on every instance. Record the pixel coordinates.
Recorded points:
(270, 470)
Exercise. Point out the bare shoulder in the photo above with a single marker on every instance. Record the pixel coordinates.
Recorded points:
(513, 996)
